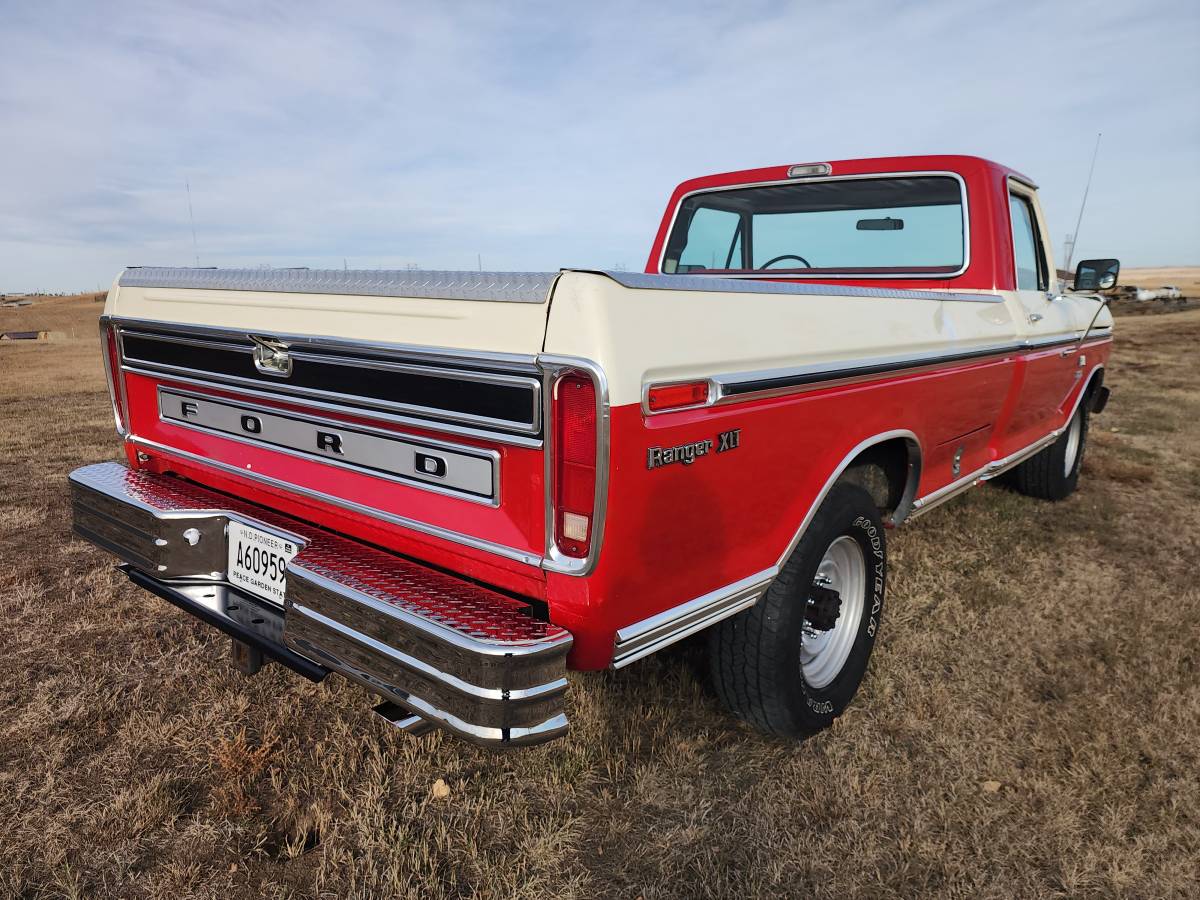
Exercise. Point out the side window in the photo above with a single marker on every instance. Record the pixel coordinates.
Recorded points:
(1027, 245)
(714, 241)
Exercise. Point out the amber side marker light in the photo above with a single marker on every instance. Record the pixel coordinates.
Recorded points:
(677, 396)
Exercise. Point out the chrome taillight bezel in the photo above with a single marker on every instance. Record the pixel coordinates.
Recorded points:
(553, 369)
(110, 350)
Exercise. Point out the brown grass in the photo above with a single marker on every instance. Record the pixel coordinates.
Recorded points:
(1029, 726)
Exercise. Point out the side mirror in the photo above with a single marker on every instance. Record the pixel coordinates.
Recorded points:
(1096, 274)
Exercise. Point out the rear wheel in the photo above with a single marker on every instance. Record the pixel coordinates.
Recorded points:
(792, 662)
(1053, 473)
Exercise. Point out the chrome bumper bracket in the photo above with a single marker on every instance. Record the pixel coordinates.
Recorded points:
(234, 613)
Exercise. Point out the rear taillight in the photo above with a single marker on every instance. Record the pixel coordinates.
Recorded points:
(112, 371)
(574, 447)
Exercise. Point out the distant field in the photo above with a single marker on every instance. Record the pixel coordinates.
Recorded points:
(1029, 726)
(1186, 278)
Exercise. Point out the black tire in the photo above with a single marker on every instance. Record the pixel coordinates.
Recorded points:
(755, 656)
(1046, 475)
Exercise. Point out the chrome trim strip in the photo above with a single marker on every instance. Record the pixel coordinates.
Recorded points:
(445, 534)
(553, 367)
(650, 635)
(365, 406)
(511, 287)
(916, 457)
(491, 455)
(741, 285)
(363, 403)
(1050, 340)
(468, 358)
(426, 424)
(966, 219)
(431, 371)
(728, 387)
(731, 387)
(983, 473)
(189, 341)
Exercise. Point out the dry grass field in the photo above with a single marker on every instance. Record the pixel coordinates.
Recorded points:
(1030, 724)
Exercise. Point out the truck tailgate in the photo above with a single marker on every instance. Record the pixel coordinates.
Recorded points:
(404, 408)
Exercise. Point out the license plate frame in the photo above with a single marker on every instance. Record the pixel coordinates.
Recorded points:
(256, 561)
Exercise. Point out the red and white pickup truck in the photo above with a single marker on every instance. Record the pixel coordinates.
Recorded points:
(451, 487)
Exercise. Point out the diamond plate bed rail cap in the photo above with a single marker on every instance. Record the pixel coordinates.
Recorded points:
(514, 287)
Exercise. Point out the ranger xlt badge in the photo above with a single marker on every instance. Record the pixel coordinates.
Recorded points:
(689, 453)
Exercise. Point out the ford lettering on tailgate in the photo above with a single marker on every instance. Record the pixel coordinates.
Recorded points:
(462, 470)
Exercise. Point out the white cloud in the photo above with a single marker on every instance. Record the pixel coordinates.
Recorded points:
(550, 134)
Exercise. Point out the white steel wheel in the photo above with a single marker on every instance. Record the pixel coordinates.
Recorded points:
(1071, 450)
(843, 568)
(792, 662)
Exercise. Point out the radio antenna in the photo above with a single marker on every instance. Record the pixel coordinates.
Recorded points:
(192, 217)
(1087, 187)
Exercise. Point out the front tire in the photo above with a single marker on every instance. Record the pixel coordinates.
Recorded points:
(775, 665)
(1053, 473)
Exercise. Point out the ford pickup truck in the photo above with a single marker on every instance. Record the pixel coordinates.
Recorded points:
(452, 487)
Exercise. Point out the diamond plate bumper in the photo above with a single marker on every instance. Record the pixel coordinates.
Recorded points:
(454, 653)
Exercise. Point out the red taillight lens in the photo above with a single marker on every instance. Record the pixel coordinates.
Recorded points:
(677, 396)
(574, 464)
(112, 371)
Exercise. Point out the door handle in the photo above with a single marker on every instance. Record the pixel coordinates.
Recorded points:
(1036, 317)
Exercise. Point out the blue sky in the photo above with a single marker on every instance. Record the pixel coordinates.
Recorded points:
(540, 135)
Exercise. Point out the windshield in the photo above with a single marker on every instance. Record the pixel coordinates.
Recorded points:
(912, 225)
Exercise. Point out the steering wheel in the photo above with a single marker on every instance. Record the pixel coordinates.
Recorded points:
(771, 262)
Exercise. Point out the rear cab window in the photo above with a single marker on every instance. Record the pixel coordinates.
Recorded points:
(888, 226)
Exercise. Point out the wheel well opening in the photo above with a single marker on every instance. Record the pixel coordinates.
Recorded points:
(889, 472)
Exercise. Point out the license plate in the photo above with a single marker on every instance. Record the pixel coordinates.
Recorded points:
(258, 560)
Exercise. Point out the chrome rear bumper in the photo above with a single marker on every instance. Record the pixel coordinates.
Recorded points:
(456, 654)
